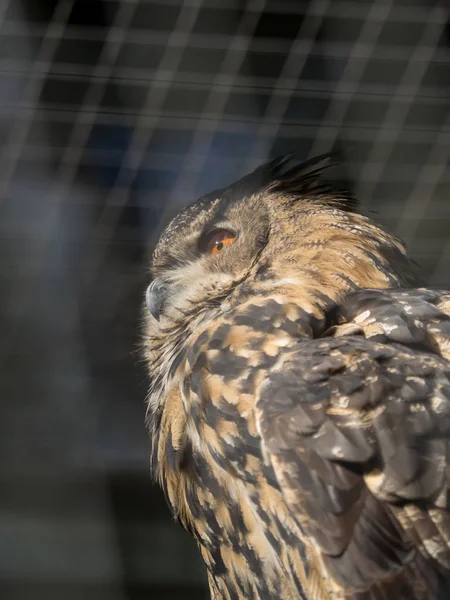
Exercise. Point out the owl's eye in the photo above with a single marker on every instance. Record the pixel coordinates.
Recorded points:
(217, 240)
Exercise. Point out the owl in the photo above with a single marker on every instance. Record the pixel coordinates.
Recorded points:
(299, 402)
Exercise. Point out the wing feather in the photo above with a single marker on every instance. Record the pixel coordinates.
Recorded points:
(418, 318)
(357, 433)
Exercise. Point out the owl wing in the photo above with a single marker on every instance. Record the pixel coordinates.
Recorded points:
(357, 433)
(418, 318)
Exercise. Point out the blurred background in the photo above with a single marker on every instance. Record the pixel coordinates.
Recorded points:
(113, 114)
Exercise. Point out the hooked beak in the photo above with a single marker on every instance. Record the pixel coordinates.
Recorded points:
(155, 297)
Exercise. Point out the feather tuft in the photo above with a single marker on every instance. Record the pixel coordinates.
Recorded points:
(310, 179)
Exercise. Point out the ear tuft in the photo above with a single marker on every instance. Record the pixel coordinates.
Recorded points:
(309, 180)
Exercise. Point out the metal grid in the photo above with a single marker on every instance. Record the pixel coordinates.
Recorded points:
(113, 114)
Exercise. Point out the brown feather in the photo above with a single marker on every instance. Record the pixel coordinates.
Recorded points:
(300, 396)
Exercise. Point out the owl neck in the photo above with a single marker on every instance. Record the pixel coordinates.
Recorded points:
(336, 253)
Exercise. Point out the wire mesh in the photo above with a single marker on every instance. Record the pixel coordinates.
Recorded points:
(113, 114)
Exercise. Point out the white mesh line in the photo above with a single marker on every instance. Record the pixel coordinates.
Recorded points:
(343, 9)
(159, 159)
(177, 122)
(205, 131)
(177, 119)
(397, 111)
(334, 49)
(136, 76)
(426, 183)
(85, 120)
(141, 134)
(359, 56)
(12, 149)
(364, 93)
(281, 95)
(338, 8)
(81, 128)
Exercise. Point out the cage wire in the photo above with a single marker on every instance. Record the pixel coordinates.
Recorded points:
(113, 115)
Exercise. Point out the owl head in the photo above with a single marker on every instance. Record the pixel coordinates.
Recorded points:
(283, 229)
(283, 222)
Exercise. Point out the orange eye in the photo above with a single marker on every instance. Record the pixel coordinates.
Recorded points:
(216, 241)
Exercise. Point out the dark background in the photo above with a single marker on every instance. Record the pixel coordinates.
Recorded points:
(112, 115)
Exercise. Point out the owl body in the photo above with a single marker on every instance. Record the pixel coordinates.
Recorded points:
(300, 392)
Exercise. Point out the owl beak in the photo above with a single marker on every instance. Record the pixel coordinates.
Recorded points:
(155, 297)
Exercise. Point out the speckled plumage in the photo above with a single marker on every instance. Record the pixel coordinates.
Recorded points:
(300, 396)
